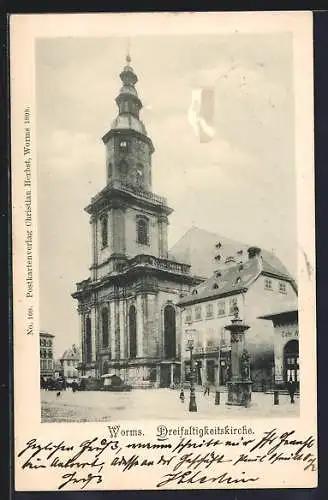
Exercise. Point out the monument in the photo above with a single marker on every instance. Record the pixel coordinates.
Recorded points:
(240, 384)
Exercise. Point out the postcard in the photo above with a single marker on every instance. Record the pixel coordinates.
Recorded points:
(163, 251)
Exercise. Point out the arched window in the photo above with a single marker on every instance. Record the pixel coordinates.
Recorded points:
(105, 327)
(109, 170)
(88, 339)
(169, 332)
(104, 232)
(142, 231)
(140, 175)
(133, 331)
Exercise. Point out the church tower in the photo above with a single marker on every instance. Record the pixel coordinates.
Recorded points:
(127, 218)
(127, 305)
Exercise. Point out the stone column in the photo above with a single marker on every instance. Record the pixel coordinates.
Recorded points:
(112, 329)
(117, 329)
(97, 338)
(93, 317)
(122, 306)
(94, 242)
(139, 309)
(240, 385)
(81, 350)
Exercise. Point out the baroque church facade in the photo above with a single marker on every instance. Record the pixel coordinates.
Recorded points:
(128, 322)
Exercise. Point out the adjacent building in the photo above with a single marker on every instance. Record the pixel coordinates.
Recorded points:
(69, 362)
(255, 285)
(286, 343)
(47, 367)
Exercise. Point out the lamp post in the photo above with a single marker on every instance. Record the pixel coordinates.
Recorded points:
(192, 401)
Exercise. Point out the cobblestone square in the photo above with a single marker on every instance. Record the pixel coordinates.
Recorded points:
(155, 404)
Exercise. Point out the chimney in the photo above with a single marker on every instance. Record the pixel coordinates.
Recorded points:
(254, 252)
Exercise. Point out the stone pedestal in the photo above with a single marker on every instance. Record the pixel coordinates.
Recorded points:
(239, 393)
(240, 385)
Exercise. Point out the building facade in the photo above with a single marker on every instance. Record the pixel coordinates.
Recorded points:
(286, 344)
(69, 362)
(127, 304)
(47, 367)
(255, 286)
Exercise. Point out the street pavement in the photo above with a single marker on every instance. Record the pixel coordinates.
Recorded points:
(156, 404)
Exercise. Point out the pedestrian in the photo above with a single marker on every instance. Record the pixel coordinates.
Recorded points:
(291, 388)
(207, 389)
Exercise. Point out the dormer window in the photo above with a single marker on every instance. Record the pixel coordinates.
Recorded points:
(268, 284)
(215, 286)
(194, 292)
(282, 287)
(238, 281)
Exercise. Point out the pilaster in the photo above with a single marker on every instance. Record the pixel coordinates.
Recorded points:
(112, 329)
(122, 312)
(117, 329)
(139, 326)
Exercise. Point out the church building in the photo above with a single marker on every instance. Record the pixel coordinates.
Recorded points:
(127, 305)
(134, 306)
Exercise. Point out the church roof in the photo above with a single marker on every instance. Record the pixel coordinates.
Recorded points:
(198, 248)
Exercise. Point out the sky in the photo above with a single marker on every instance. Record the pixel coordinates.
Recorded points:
(241, 185)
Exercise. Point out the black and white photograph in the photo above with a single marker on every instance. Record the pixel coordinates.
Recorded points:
(167, 227)
(168, 239)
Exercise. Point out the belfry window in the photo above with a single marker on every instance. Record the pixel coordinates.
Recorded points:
(104, 232)
(123, 145)
(109, 170)
(142, 232)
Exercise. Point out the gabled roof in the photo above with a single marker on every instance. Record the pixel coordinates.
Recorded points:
(197, 248)
(229, 281)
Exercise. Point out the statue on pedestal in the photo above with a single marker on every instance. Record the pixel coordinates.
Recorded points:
(245, 365)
